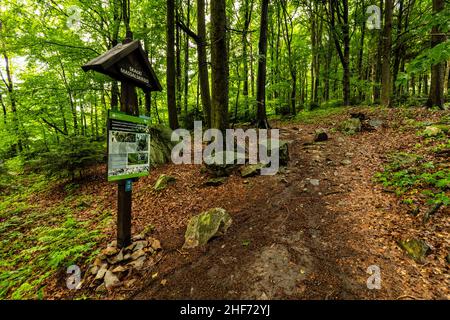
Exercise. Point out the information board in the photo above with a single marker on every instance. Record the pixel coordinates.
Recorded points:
(128, 146)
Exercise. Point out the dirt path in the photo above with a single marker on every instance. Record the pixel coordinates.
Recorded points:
(294, 239)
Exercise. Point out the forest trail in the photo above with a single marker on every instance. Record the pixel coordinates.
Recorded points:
(310, 232)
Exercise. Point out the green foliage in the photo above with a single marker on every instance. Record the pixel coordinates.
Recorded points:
(38, 241)
(407, 173)
(317, 115)
(71, 156)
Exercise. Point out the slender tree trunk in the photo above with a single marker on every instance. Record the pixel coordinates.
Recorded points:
(398, 52)
(361, 56)
(115, 40)
(446, 77)
(341, 13)
(436, 97)
(186, 59)
(261, 116)
(202, 62)
(219, 64)
(386, 67)
(4, 109)
(179, 84)
(247, 19)
(379, 62)
(171, 74)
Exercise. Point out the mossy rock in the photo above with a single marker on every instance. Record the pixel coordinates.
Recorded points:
(320, 135)
(400, 160)
(432, 131)
(221, 164)
(415, 248)
(351, 126)
(251, 170)
(283, 150)
(205, 226)
(163, 181)
(214, 182)
(160, 145)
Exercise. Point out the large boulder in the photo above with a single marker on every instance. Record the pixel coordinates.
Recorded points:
(209, 224)
(283, 150)
(251, 170)
(415, 248)
(221, 164)
(320, 135)
(160, 145)
(351, 126)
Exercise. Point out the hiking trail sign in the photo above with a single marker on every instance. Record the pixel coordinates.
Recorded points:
(128, 138)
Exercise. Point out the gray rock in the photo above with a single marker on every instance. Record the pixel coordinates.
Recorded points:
(346, 162)
(214, 182)
(140, 245)
(376, 123)
(113, 244)
(137, 254)
(94, 270)
(251, 170)
(111, 280)
(138, 263)
(101, 288)
(101, 272)
(415, 248)
(320, 136)
(283, 150)
(117, 258)
(138, 237)
(155, 244)
(160, 144)
(119, 269)
(315, 182)
(222, 164)
(203, 227)
(351, 126)
(110, 251)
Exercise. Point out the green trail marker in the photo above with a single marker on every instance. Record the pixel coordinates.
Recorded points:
(128, 138)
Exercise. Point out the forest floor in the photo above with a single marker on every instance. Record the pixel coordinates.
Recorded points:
(290, 238)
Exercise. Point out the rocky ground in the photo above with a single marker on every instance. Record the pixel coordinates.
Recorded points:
(310, 232)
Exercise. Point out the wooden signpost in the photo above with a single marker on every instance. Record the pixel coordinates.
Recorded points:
(129, 64)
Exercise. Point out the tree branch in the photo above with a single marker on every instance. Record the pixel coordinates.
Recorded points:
(188, 31)
(54, 126)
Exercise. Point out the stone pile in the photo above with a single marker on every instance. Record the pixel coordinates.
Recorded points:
(115, 267)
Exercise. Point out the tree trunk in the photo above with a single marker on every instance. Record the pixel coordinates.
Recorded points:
(4, 109)
(261, 116)
(202, 62)
(171, 92)
(379, 62)
(219, 63)
(387, 47)
(342, 17)
(436, 97)
(446, 77)
(247, 19)
(178, 61)
(186, 60)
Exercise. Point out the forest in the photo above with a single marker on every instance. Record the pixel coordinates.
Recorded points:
(358, 88)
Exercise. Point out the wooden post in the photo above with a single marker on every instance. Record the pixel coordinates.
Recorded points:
(129, 105)
(124, 214)
(128, 64)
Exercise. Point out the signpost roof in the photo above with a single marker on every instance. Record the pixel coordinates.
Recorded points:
(129, 63)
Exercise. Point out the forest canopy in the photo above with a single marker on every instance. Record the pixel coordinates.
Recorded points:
(210, 58)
